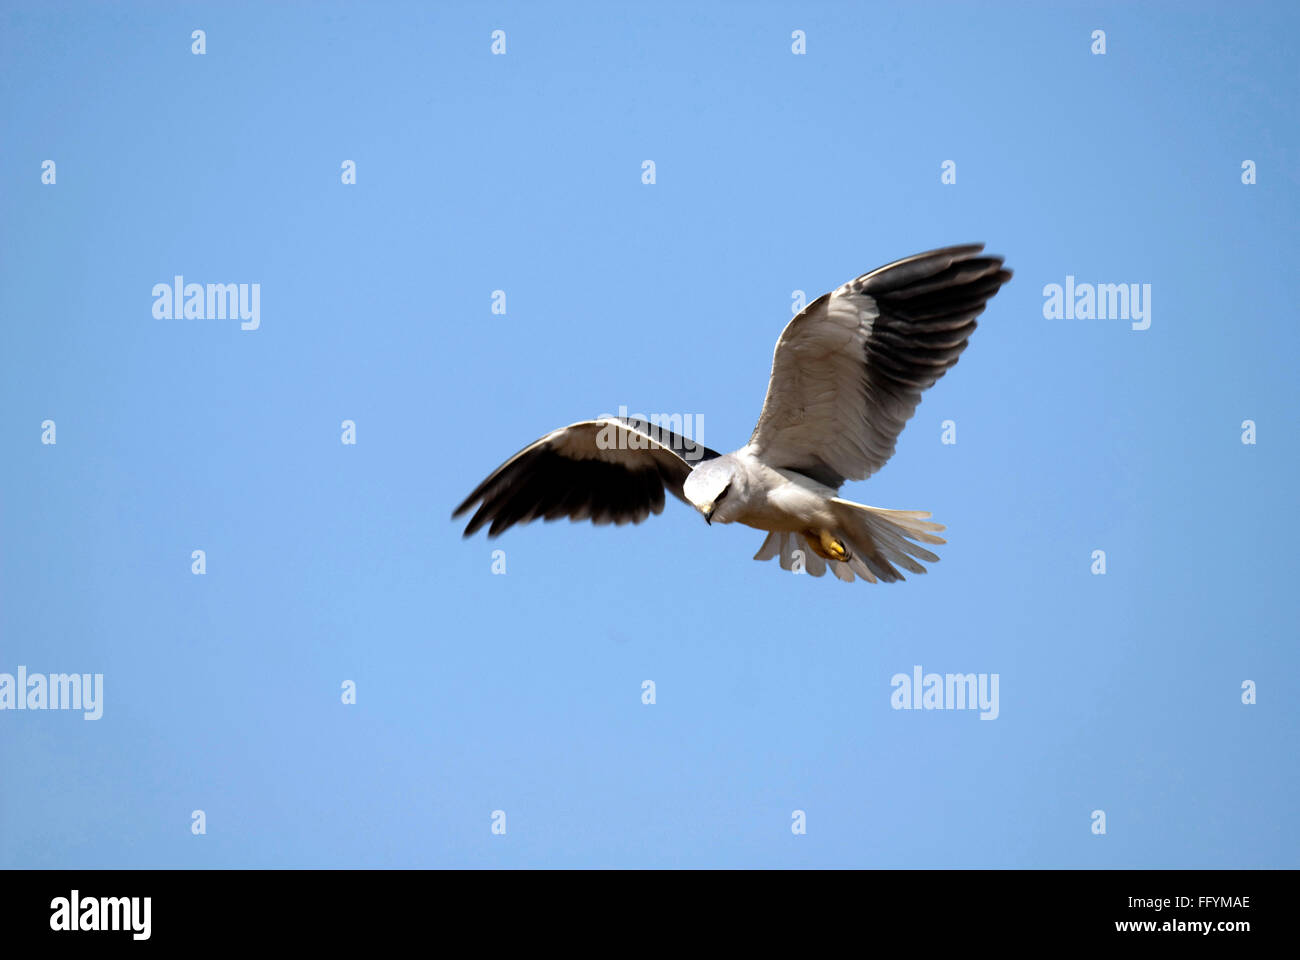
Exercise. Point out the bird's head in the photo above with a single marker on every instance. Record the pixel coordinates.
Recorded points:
(712, 489)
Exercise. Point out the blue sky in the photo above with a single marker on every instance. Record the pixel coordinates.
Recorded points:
(775, 172)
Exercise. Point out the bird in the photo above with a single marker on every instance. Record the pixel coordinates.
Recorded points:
(847, 374)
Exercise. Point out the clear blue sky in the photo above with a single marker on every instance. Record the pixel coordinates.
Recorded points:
(522, 692)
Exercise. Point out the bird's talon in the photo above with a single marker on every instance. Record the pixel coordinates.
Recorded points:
(829, 547)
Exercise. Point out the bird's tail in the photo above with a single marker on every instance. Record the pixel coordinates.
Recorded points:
(876, 539)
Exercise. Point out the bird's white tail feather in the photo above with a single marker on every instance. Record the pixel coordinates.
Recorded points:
(879, 540)
(793, 551)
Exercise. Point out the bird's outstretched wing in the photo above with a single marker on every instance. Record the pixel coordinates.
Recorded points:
(606, 471)
(849, 370)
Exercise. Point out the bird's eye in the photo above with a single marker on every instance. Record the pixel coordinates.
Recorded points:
(718, 499)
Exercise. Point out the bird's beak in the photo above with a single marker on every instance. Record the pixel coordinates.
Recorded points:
(708, 514)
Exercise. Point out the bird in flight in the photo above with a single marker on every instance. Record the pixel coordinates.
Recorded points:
(847, 374)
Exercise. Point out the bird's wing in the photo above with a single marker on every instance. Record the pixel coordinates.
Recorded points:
(606, 471)
(849, 370)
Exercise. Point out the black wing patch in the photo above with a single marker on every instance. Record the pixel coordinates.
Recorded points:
(927, 313)
(566, 474)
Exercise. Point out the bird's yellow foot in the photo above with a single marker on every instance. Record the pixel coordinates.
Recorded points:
(828, 546)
